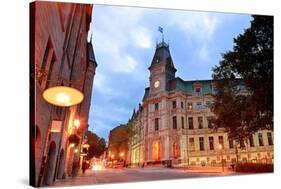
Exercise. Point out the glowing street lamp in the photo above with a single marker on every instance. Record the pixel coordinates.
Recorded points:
(76, 123)
(63, 96)
(121, 154)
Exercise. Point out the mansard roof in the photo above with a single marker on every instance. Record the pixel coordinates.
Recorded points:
(208, 86)
(162, 55)
(188, 86)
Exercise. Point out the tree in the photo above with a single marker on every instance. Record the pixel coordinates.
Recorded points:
(120, 137)
(244, 82)
(97, 145)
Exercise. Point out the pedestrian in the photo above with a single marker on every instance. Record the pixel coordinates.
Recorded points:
(84, 166)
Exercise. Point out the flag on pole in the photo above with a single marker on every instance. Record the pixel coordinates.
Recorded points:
(160, 29)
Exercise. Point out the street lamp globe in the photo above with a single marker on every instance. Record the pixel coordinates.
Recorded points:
(220, 146)
(63, 96)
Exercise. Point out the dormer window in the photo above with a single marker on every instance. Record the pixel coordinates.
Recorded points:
(198, 91)
(157, 59)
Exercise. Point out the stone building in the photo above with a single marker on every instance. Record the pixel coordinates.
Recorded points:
(174, 123)
(60, 55)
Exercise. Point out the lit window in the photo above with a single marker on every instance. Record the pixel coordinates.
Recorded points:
(189, 106)
(221, 141)
(191, 145)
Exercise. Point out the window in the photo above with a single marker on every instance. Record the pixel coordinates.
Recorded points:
(210, 124)
(157, 59)
(182, 122)
(174, 104)
(200, 122)
(201, 143)
(175, 122)
(198, 105)
(198, 91)
(208, 104)
(221, 141)
(230, 143)
(189, 106)
(260, 139)
(49, 59)
(156, 124)
(182, 105)
(156, 106)
(190, 123)
(242, 144)
(269, 139)
(215, 89)
(211, 143)
(251, 141)
(191, 145)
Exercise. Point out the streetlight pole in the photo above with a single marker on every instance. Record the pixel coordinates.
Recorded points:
(222, 163)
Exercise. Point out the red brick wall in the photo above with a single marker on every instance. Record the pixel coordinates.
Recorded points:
(65, 27)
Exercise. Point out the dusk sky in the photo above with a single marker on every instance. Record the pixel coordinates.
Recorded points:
(124, 40)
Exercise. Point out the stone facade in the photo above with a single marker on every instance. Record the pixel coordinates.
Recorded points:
(174, 123)
(59, 51)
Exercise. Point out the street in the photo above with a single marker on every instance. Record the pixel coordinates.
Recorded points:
(140, 174)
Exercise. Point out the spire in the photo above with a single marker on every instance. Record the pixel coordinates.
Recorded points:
(162, 55)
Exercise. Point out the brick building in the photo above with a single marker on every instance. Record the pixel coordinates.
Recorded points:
(59, 55)
(174, 123)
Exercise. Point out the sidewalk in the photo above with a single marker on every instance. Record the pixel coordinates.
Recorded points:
(205, 169)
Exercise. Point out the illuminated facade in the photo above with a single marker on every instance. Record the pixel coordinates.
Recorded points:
(60, 55)
(174, 123)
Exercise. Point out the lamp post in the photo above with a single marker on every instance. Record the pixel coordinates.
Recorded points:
(222, 164)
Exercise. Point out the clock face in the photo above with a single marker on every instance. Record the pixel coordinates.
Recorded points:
(156, 84)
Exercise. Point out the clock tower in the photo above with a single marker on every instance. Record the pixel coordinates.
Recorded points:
(161, 69)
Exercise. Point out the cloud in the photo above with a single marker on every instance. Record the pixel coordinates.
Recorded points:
(141, 37)
(123, 40)
(203, 52)
(196, 25)
(120, 29)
